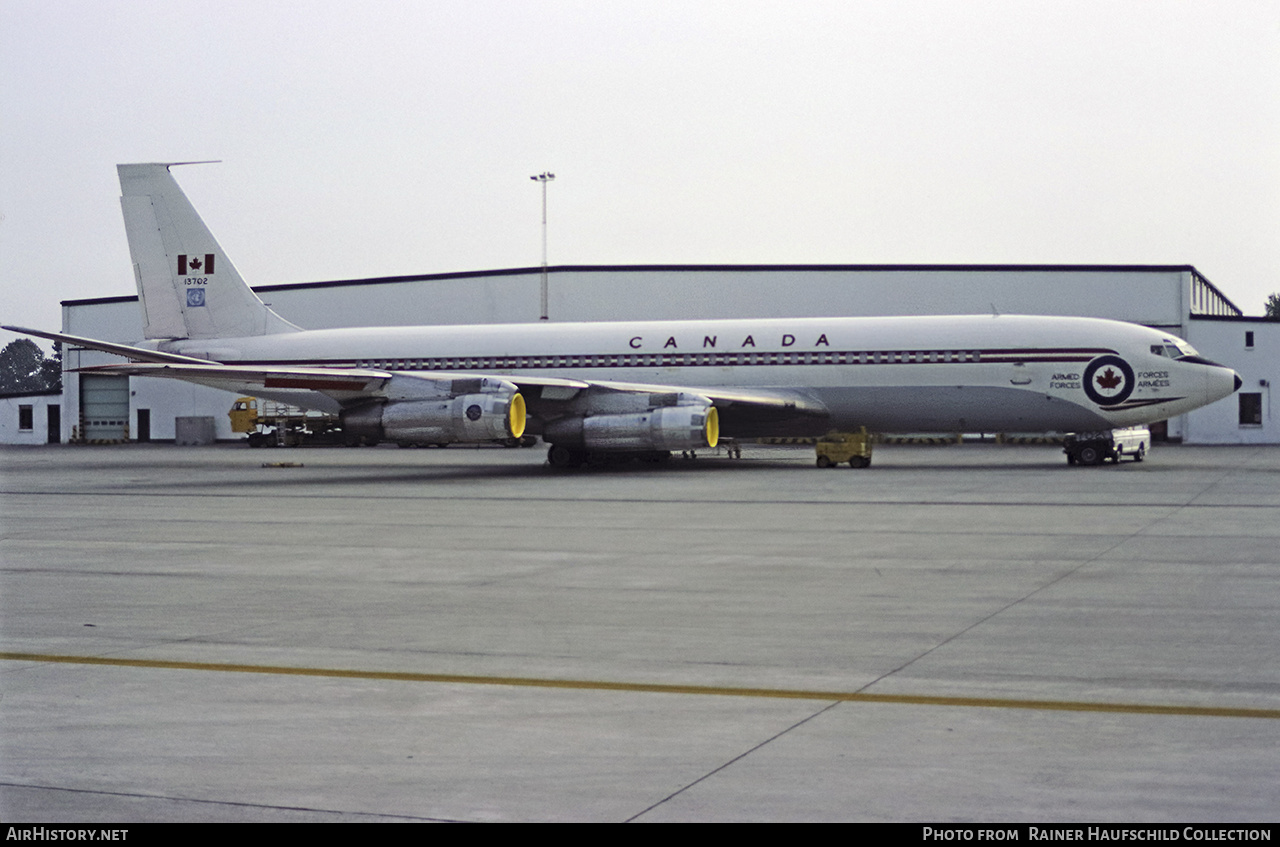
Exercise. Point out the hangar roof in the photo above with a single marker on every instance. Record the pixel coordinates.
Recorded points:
(1208, 300)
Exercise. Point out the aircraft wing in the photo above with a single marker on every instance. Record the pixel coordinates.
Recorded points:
(742, 411)
(328, 389)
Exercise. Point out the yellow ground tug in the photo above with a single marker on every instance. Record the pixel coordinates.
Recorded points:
(272, 424)
(837, 447)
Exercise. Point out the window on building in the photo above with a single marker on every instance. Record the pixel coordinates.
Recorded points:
(26, 418)
(1251, 409)
(1248, 338)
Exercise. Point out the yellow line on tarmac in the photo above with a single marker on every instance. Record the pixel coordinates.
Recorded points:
(657, 688)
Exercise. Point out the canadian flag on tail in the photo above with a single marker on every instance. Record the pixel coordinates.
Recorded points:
(194, 264)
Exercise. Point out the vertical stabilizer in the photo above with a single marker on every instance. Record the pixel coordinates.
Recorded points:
(187, 286)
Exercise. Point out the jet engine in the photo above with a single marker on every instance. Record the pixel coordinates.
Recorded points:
(685, 427)
(490, 410)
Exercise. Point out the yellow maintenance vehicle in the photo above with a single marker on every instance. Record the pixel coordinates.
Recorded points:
(837, 447)
(272, 424)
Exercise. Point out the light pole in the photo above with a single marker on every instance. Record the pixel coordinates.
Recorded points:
(544, 178)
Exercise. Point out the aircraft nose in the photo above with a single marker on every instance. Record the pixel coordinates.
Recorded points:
(1239, 382)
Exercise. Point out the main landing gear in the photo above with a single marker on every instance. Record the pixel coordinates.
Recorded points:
(563, 458)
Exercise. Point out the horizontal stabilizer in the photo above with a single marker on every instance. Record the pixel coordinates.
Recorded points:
(140, 354)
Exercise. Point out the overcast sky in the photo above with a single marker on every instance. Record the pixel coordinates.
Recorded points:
(398, 137)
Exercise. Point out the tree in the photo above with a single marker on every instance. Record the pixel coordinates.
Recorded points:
(51, 369)
(1273, 307)
(23, 367)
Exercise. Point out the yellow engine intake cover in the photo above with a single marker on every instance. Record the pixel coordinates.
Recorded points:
(516, 416)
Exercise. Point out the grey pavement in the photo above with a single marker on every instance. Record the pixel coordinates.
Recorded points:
(944, 573)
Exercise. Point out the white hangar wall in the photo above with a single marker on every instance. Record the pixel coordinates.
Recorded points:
(1252, 347)
(1152, 296)
(1158, 296)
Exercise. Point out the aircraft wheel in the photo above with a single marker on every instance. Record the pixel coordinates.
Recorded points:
(824, 462)
(1089, 456)
(560, 456)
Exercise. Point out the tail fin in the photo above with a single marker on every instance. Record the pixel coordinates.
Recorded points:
(187, 286)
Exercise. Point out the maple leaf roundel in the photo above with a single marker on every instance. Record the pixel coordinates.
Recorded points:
(1108, 380)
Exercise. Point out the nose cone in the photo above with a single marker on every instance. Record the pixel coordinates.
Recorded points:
(1220, 382)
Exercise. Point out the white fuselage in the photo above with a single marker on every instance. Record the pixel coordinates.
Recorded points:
(940, 373)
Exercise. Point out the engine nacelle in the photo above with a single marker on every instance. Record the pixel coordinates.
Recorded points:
(688, 427)
(470, 418)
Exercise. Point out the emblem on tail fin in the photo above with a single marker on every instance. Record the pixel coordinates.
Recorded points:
(194, 264)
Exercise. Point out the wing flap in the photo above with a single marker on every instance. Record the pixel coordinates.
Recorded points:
(744, 412)
(312, 388)
(316, 388)
(780, 399)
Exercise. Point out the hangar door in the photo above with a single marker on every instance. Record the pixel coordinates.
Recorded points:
(104, 407)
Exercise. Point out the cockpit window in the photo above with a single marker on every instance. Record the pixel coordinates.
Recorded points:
(1176, 349)
(1157, 349)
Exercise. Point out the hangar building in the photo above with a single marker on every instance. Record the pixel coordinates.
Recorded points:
(31, 417)
(1176, 298)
